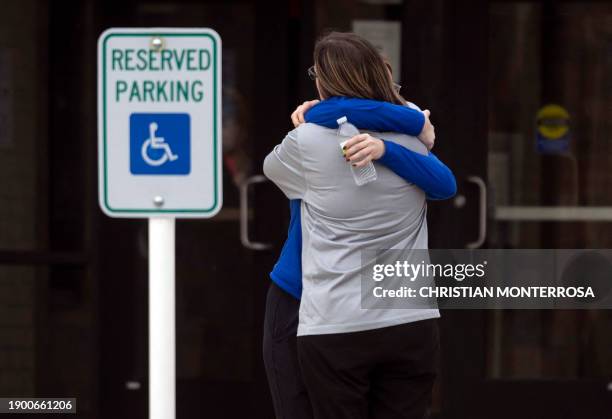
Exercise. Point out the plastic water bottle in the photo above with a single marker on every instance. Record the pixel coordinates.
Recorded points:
(364, 174)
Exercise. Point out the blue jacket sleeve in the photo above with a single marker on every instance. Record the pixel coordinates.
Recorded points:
(367, 114)
(425, 171)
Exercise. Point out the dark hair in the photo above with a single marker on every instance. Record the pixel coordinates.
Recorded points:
(348, 65)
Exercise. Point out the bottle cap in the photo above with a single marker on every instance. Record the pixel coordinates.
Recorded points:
(341, 120)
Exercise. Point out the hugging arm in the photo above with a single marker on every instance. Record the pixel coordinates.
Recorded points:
(424, 170)
(367, 114)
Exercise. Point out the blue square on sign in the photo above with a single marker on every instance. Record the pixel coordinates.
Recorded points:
(160, 144)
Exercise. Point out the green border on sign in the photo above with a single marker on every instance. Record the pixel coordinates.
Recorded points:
(215, 134)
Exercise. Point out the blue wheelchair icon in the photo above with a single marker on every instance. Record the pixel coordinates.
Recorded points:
(160, 144)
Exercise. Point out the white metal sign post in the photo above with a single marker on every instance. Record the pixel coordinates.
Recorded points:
(162, 332)
(159, 148)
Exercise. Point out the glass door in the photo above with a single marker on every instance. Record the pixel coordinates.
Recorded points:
(549, 152)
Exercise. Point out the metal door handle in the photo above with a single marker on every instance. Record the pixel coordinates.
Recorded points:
(482, 212)
(244, 214)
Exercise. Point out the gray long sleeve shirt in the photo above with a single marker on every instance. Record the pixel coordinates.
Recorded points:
(339, 221)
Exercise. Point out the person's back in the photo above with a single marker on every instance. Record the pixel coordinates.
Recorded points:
(339, 221)
(355, 362)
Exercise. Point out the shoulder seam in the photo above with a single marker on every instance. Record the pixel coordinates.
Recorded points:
(299, 147)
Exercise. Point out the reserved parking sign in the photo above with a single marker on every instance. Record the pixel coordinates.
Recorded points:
(159, 122)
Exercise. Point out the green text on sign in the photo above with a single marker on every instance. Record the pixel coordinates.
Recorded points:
(170, 90)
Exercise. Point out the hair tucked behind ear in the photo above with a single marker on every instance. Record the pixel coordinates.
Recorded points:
(348, 65)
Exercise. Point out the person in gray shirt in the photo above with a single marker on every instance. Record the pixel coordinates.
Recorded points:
(356, 362)
(340, 220)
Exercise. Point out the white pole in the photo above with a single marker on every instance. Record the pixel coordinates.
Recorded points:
(162, 370)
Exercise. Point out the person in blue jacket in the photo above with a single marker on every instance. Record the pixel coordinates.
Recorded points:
(282, 305)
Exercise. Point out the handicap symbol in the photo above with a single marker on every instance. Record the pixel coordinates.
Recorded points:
(156, 143)
(160, 144)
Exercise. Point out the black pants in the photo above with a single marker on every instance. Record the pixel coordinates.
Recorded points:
(383, 373)
(280, 356)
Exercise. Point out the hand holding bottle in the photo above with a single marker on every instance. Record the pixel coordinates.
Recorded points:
(362, 174)
(362, 149)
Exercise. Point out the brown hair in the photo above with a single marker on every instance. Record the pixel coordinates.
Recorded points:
(348, 65)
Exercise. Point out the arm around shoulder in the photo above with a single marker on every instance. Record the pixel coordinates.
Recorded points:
(421, 168)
